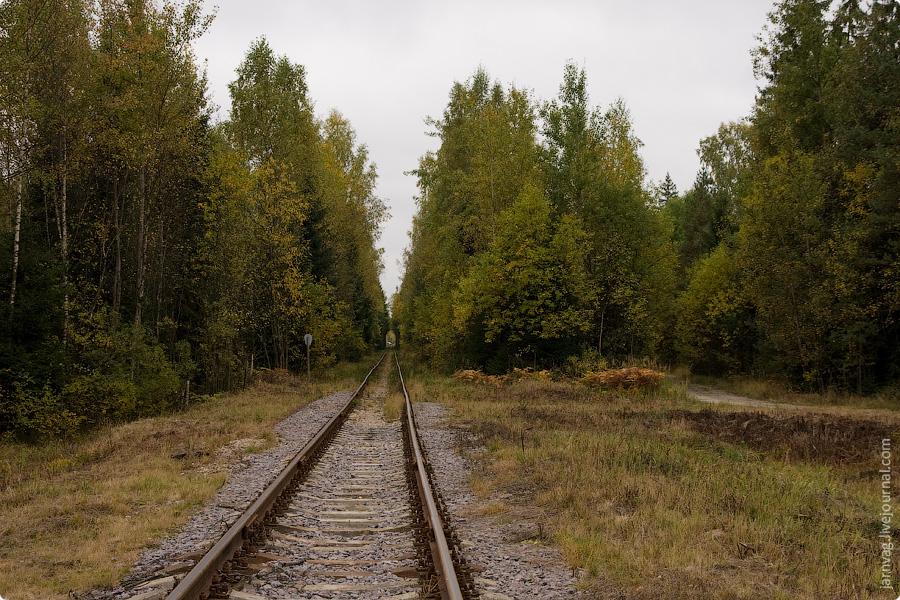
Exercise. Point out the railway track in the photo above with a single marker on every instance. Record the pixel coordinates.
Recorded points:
(353, 515)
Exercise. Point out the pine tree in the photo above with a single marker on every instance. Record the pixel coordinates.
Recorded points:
(666, 191)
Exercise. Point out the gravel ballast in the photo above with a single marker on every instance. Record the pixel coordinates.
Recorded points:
(247, 478)
(513, 564)
(508, 561)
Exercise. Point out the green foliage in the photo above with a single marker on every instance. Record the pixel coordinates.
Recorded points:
(783, 255)
(710, 212)
(526, 292)
(120, 374)
(523, 252)
(827, 162)
(666, 191)
(98, 398)
(353, 222)
(292, 222)
(270, 111)
(39, 412)
(630, 266)
(149, 250)
(574, 133)
(715, 328)
(594, 155)
(803, 198)
(785, 250)
(488, 156)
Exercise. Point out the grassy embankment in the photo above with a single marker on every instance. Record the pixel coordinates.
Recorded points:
(76, 514)
(655, 498)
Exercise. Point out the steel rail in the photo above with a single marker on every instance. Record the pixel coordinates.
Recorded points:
(447, 577)
(198, 581)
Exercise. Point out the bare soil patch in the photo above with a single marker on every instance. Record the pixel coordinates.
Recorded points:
(711, 395)
(825, 438)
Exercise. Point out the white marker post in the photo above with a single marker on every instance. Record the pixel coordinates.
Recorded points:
(308, 339)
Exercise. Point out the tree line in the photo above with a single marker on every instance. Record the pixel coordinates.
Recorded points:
(147, 246)
(539, 240)
(534, 239)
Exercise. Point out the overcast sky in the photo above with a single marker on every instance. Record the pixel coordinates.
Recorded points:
(683, 67)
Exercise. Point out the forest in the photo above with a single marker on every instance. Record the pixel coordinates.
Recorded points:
(539, 240)
(150, 254)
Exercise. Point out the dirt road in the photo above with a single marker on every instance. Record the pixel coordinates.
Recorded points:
(705, 393)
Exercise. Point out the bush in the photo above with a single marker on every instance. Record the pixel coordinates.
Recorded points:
(479, 377)
(155, 380)
(531, 375)
(39, 412)
(589, 361)
(97, 397)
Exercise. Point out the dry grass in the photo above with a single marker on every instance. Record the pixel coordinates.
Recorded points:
(494, 508)
(479, 377)
(628, 378)
(526, 374)
(393, 406)
(75, 515)
(530, 374)
(651, 508)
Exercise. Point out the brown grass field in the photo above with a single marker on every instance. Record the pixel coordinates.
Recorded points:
(651, 494)
(76, 514)
(654, 495)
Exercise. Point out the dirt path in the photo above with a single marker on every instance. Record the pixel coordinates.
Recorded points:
(704, 393)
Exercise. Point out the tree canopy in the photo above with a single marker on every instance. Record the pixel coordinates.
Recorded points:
(802, 198)
(536, 236)
(146, 246)
(780, 260)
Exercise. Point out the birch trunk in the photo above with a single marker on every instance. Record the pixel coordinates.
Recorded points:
(64, 241)
(18, 229)
(142, 205)
(117, 283)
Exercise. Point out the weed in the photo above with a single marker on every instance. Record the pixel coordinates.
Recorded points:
(494, 508)
(265, 441)
(627, 378)
(393, 406)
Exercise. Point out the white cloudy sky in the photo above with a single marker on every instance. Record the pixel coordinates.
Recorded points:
(683, 67)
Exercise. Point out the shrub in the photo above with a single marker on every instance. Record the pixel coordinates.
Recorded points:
(97, 397)
(479, 377)
(40, 412)
(589, 361)
(530, 374)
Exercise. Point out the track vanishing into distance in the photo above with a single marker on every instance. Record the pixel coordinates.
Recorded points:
(353, 515)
